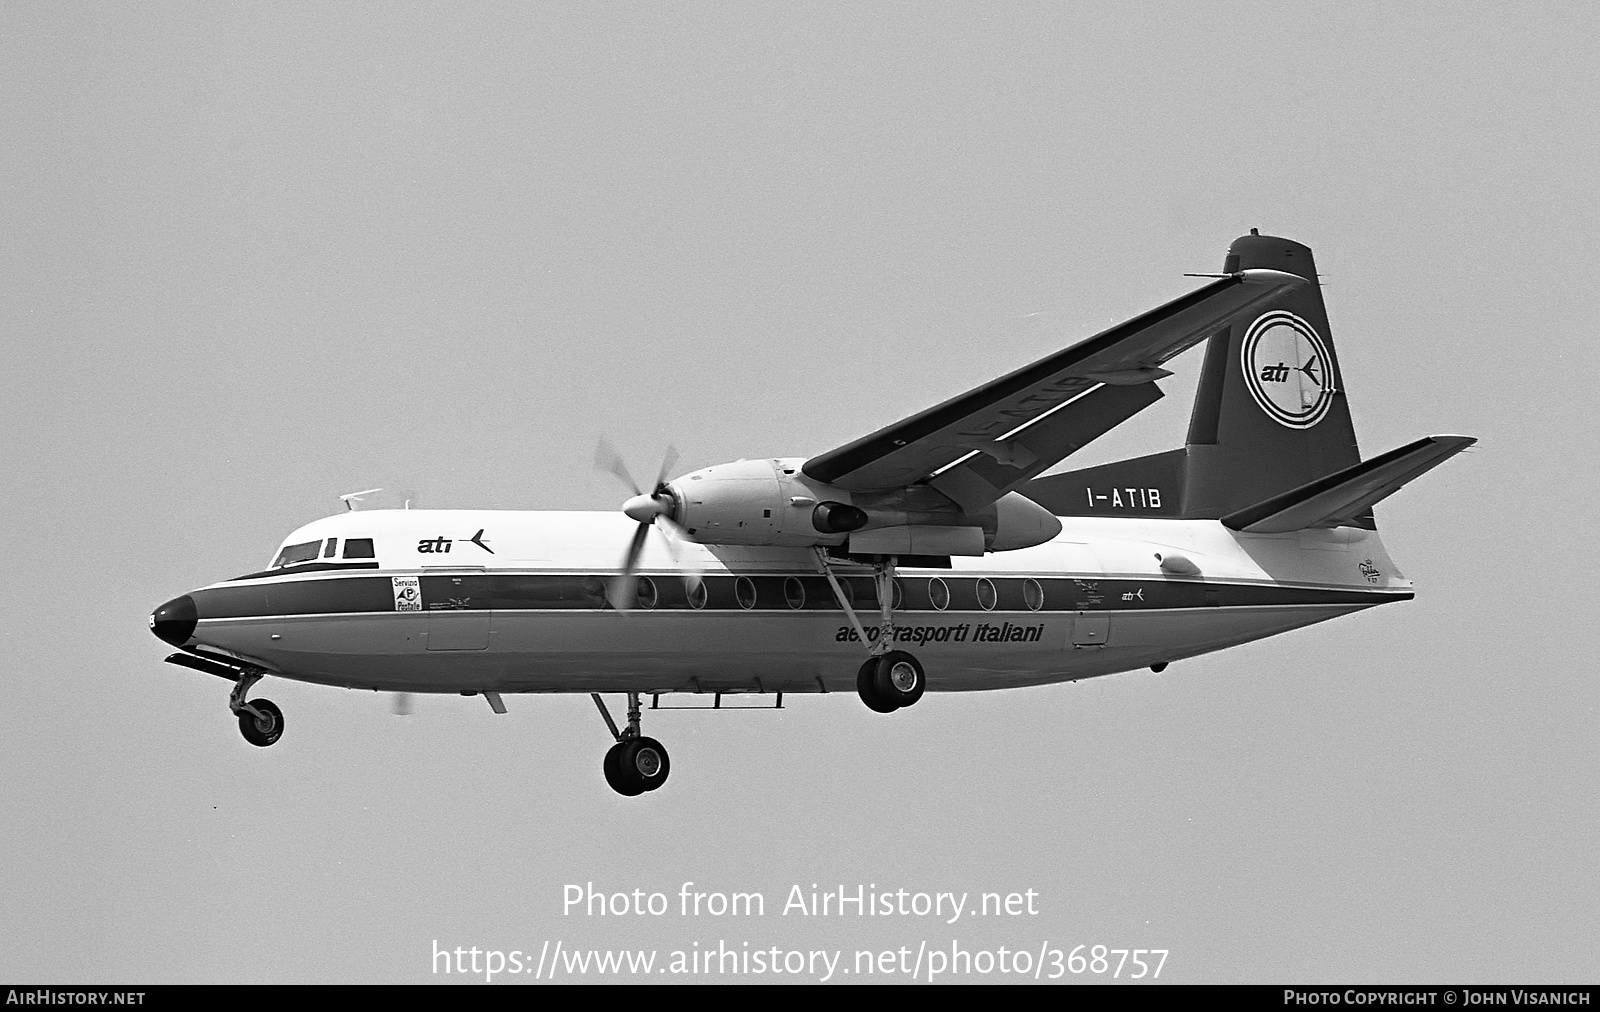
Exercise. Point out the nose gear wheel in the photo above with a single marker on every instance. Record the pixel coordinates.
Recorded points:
(265, 726)
(260, 720)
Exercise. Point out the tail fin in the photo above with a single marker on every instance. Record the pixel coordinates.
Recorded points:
(1270, 414)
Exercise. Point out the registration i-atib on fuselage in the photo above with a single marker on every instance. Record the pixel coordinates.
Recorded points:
(927, 556)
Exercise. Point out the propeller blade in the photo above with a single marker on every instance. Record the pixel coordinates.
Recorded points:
(667, 461)
(606, 458)
(401, 702)
(687, 561)
(624, 589)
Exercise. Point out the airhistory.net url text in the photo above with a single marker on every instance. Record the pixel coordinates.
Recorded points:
(557, 961)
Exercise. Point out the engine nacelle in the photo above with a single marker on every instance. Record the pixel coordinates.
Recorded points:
(759, 502)
(772, 502)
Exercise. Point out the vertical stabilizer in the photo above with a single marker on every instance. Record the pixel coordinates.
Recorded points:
(1270, 414)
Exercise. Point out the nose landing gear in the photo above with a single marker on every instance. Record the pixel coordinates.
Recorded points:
(261, 722)
(635, 764)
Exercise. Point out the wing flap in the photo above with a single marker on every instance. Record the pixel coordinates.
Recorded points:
(1129, 354)
(999, 467)
(1343, 496)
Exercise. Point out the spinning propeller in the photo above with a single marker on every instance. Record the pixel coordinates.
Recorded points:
(647, 509)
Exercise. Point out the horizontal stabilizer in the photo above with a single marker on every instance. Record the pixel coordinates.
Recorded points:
(1343, 496)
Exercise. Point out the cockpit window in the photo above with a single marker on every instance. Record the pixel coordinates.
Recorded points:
(359, 548)
(327, 553)
(293, 554)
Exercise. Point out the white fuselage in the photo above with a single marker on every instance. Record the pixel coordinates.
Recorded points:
(503, 601)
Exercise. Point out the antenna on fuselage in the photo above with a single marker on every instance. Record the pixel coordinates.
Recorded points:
(350, 499)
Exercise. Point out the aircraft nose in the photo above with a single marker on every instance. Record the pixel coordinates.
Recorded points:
(174, 621)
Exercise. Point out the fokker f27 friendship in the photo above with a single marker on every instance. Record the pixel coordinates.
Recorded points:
(929, 555)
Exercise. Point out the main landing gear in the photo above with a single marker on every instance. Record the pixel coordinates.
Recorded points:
(889, 679)
(261, 722)
(635, 764)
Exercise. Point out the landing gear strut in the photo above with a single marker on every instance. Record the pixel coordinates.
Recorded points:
(635, 764)
(889, 679)
(261, 722)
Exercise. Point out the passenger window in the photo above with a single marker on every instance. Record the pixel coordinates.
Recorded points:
(1033, 594)
(646, 595)
(745, 591)
(359, 548)
(292, 554)
(333, 543)
(988, 597)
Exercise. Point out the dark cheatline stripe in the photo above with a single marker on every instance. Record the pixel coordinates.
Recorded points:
(309, 567)
(540, 592)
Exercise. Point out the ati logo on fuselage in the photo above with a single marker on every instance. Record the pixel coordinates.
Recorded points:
(441, 544)
(1288, 369)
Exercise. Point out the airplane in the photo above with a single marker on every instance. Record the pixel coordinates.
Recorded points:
(929, 555)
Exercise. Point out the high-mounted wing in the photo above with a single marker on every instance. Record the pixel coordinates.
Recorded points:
(1008, 427)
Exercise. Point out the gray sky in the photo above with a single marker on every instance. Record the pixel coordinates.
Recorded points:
(257, 256)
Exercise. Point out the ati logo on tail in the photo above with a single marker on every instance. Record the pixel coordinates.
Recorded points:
(1288, 369)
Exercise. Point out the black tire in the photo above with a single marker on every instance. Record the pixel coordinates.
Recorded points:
(261, 732)
(614, 774)
(645, 762)
(867, 688)
(899, 678)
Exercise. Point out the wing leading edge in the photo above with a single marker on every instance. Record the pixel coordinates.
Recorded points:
(1015, 427)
